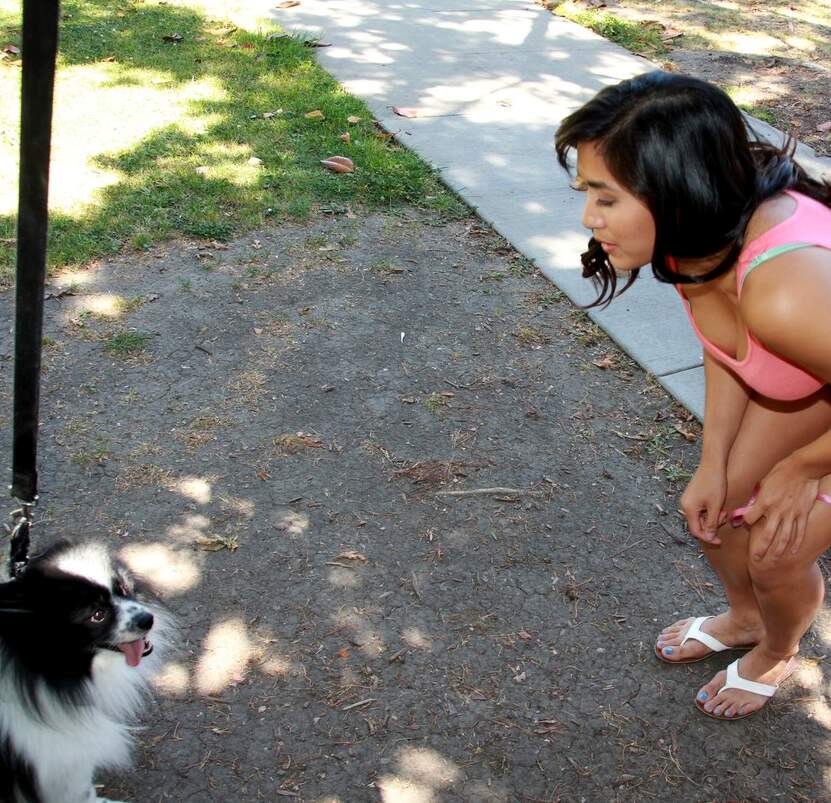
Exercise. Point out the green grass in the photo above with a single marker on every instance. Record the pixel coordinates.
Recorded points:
(206, 137)
(632, 36)
(127, 343)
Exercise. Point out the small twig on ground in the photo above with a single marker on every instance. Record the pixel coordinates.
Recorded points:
(359, 704)
(629, 546)
(487, 491)
(693, 587)
(630, 437)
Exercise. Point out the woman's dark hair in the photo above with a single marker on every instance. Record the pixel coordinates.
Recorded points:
(682, 147)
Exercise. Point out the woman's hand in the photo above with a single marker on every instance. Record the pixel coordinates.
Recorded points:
(702, 502)
(785, 498)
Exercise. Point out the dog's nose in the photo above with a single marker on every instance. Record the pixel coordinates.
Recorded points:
(143, 620)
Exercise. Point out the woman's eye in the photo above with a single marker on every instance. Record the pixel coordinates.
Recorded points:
(605, 203)
(99, 616)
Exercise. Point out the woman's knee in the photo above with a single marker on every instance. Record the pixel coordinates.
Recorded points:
(769, 570)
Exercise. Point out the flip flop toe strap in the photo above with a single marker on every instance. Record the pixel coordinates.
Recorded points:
(736, 681)
(695, 632)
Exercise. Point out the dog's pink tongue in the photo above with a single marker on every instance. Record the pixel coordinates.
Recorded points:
(133, 651)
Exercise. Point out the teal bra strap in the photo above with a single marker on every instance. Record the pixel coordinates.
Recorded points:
(774, 252)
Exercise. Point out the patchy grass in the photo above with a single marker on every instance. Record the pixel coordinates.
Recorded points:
(632, 36)
(126, 344)
(435, 402)
(206, 132)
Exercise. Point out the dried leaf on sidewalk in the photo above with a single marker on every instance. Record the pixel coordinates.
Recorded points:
(405, 111)
(288, 4)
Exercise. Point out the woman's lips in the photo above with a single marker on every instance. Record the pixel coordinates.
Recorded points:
(609, 248)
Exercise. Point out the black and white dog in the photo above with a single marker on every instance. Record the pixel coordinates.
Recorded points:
(75, 661)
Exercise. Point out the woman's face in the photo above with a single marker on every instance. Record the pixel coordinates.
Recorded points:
(618, 220)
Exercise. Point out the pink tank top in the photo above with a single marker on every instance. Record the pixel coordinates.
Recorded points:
(768, 374)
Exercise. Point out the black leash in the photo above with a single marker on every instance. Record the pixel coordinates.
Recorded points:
(39, 51)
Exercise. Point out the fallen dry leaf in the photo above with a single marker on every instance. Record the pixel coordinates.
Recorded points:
(291, 443)
(671, 33)
(215, 543)
(338, 164)
(350, 555)
(826, 126)
(687, 434)
(172, 37)
(315, 115)
(288, 4)
(345, 137)
(343, 653)
(404, 111)
(353, 120)
(604, 362)
(315, 43)
(15, 51)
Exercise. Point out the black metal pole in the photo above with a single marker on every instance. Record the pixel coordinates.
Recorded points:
(39, 50)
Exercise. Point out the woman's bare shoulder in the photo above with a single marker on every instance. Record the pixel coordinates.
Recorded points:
(768, 214)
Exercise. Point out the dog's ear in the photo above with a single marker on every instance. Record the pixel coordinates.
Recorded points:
(12, 599)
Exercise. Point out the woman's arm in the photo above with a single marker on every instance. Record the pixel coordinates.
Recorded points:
(725, 401)
(786, 307)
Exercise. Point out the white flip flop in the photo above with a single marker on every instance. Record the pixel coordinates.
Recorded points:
(736, 681)
(695, 632)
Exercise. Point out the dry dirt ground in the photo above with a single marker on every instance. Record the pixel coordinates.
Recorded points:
(416, 517)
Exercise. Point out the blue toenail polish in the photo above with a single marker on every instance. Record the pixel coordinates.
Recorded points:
(702, 695)
(667, 650)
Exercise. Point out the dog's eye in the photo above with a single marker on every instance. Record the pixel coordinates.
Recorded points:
(99, 616)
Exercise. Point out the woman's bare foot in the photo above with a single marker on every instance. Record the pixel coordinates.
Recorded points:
(759, 666)
(726, 627)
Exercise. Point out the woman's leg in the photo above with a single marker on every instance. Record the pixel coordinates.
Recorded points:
(789, 590)
(769, 432)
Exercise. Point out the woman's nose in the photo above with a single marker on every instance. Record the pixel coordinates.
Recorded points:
(591, 220)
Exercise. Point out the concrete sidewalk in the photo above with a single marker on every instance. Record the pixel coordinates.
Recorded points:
(491, 80)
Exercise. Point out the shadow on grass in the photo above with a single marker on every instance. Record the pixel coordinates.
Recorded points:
(241, 151)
